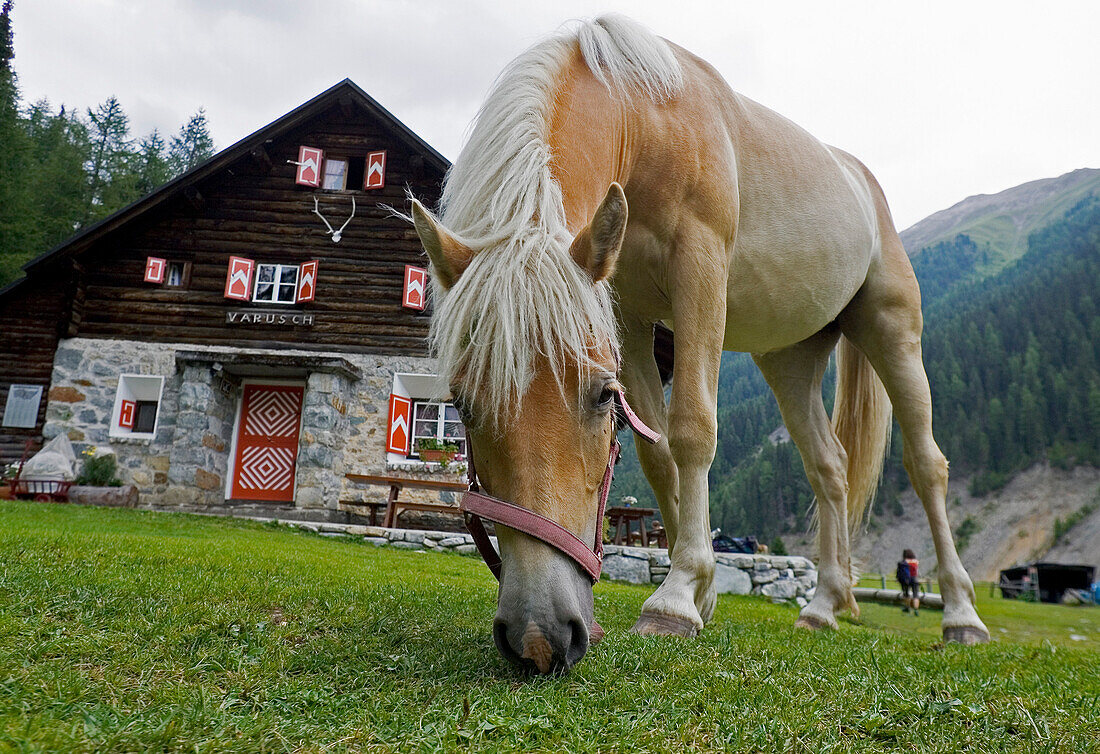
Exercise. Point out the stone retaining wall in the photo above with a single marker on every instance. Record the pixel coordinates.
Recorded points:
(779, 577)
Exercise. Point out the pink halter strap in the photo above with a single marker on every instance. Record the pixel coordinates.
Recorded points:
(476, 505)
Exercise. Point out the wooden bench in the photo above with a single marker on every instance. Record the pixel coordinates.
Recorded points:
(621, 518)
(393, 506)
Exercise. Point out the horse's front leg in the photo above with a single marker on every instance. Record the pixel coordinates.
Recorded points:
(647, 397)
(685, 600)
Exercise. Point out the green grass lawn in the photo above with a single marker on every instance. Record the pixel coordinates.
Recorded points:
(132, 631)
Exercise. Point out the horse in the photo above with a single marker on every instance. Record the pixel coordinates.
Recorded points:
(612, 180)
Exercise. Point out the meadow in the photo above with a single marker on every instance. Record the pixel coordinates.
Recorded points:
(135, 631)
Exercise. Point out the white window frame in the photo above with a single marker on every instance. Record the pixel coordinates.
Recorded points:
(136, 387)
(276, 284)
(441, 421)
(422, 388)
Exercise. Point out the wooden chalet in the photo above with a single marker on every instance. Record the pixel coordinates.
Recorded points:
(251, 331)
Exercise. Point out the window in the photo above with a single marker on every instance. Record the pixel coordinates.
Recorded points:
(178, 275)
(137, 406)
(419, 409)
(343, 173)
(276, 284)
(145, 416)
(439, 421)
(335, 176)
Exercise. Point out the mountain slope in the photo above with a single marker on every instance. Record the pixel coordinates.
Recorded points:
(1004, 220)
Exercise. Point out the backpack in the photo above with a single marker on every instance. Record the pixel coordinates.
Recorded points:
(902, 574)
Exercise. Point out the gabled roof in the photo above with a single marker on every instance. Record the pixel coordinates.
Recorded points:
(223, 159)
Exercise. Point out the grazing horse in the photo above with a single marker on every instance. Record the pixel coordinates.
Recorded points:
(744, 233)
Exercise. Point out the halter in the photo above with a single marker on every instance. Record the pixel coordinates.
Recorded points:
(476, 505)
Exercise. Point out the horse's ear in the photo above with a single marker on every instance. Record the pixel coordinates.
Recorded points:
(449, 256)
(596, 247)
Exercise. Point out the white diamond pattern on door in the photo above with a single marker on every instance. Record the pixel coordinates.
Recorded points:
(267, 443)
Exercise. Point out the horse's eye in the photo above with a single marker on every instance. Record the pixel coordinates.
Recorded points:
(606, 396)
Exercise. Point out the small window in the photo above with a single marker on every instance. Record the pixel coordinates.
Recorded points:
(178, 275)
(137, 405)
(439, 421)
(343, 173)
(335, 176)
(276, 284)
(145, 416)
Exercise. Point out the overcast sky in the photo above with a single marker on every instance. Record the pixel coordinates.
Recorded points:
(941, 100)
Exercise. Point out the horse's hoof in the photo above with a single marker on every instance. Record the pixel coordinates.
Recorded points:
(595, 634)
(812, 623)
(659, 624)
(965, 635)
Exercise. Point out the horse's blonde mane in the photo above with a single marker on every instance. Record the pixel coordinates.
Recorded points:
(522, 295)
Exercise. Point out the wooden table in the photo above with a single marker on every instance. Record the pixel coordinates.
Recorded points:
(396, 484)
(622, 516)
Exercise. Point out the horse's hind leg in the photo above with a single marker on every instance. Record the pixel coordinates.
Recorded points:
(794, 375)
(884, 321)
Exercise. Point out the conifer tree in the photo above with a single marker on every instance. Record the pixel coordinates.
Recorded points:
(15, 220)
(192, 145)
(108, 160)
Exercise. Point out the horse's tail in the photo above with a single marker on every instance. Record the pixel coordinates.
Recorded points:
(861, 419)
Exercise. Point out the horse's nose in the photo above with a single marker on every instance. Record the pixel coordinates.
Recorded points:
(547, 645)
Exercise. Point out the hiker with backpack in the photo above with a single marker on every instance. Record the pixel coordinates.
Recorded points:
(907, 576)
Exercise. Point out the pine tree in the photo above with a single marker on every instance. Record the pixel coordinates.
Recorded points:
(192, 145)
(57, 181)
(152, 163)
(108, 161)
(16, 222)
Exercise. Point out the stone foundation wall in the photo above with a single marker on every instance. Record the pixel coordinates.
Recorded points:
(82, 397)
(187, 462)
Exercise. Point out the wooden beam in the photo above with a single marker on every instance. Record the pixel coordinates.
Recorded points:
(194, 198)
(261, 159)
(347, 106)
(894, 597)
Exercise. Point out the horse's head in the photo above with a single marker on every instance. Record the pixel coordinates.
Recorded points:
(545, 446)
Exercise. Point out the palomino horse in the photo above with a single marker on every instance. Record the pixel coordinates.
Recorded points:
(744, 233)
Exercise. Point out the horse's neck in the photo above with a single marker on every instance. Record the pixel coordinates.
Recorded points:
(589, 142)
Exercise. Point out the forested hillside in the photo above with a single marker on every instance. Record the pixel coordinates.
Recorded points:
(63, 169)
(1012, 359)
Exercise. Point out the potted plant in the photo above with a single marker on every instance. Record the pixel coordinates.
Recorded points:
(432, 450)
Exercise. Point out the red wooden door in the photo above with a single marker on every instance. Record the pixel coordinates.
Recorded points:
(267, 442)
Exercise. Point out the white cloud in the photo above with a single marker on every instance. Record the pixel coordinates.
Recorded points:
(940, 99)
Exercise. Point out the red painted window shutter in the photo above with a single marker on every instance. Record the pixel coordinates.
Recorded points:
(416, 288)
(310, 160)
(375, 177)
(154, 269)
(126, 414)
(397, 437)
(238, 280)
(307, 281)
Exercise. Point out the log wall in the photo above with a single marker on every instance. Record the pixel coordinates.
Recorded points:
(30, 318)
(255, 210)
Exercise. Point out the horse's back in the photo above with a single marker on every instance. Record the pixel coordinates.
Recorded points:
(799, 219)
